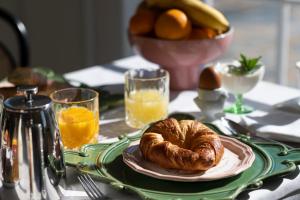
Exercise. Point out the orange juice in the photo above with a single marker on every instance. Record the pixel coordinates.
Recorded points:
(145, 106)
(78, 126)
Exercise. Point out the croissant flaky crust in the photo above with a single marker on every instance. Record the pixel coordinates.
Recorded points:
(185, 145)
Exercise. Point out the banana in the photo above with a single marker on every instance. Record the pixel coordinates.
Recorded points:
(199, 13)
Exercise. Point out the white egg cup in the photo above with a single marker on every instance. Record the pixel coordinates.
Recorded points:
(211, 103)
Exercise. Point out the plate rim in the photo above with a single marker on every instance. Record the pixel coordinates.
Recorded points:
(246, 148)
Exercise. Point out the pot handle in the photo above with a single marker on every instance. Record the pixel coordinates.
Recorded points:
(56, 161)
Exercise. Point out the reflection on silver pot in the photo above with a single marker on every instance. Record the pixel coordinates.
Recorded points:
(30, 143)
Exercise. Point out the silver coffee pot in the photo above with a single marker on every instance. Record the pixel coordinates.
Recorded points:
(31, 149)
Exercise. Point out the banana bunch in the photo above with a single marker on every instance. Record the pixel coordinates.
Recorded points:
(200, 13)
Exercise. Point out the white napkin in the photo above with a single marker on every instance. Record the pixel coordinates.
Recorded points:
(274, 124)
(71, 193)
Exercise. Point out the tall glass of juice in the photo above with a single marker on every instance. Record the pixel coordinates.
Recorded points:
(77, 113)
(146, 96)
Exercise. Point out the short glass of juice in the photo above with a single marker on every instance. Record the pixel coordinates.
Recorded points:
(77, 114)
(146, 96)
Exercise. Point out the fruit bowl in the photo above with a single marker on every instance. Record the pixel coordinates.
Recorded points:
(182, 58)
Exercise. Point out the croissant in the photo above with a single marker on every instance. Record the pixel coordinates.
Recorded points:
(185, 145)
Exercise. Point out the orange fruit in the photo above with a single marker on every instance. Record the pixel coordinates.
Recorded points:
(142, 22)
(203, 33)
(173, 24)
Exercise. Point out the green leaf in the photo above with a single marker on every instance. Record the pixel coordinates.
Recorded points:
(246, 65)
(49, 74)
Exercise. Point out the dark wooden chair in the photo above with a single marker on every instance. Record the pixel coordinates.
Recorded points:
(7, 61)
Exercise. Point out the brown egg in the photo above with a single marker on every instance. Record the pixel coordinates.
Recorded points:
(209, 79)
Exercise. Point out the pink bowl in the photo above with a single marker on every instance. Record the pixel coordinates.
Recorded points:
(182, 58)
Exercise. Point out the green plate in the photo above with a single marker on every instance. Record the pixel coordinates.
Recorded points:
(105, 161)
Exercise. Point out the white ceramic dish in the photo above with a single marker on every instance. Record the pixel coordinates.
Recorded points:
(237, 158)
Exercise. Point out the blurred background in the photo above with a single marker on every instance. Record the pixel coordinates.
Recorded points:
(67, 35)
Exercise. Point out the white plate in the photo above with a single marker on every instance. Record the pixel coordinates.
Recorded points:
(237, 158)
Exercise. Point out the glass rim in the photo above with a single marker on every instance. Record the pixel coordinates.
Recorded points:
(166, 74)
(223, 66)
(73, 102)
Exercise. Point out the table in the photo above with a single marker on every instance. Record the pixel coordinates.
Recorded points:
(112, 73)
(280, 188)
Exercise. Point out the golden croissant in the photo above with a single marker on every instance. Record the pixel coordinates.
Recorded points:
(185, 145)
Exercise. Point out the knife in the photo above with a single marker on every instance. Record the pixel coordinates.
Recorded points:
(237, 129)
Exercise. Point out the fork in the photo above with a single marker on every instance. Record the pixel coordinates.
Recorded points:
(90, 187)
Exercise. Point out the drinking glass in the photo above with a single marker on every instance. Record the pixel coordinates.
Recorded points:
(146, 96)
(77, 113)
(239, 85)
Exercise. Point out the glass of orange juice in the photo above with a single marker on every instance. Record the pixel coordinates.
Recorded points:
(146, 96)
(77, 113)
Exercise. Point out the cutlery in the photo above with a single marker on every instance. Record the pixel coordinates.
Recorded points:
(238, 130)
(90, 187)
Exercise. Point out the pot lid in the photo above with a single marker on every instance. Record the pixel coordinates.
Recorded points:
(30, 101)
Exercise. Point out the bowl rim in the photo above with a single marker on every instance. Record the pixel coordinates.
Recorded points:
(218, 37)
